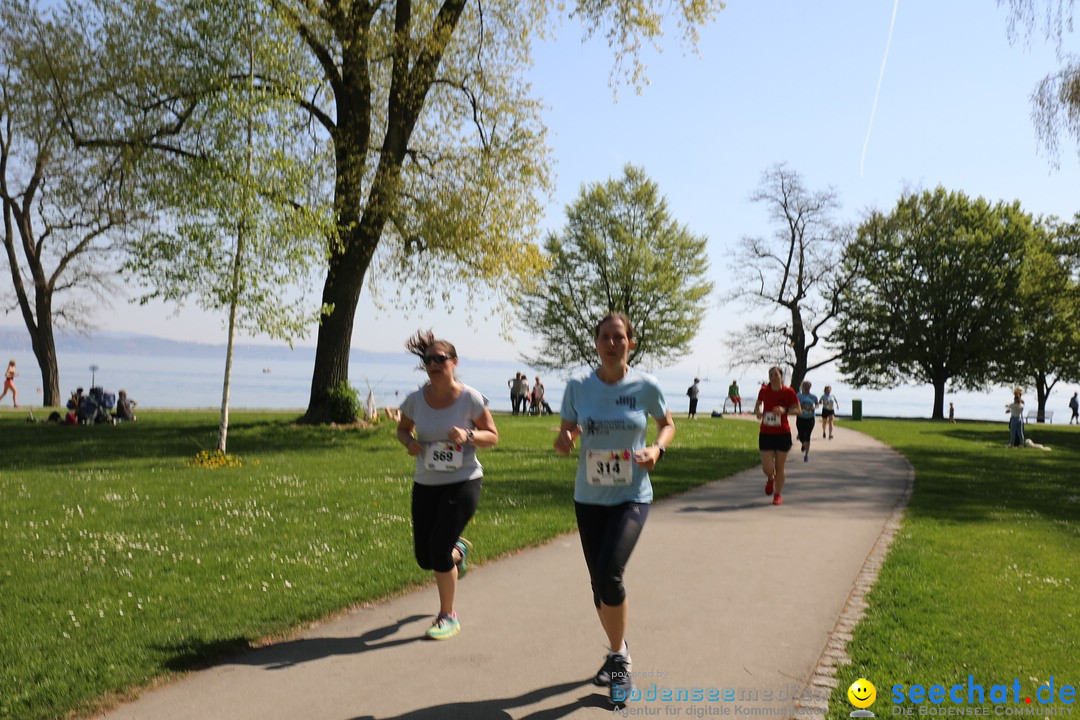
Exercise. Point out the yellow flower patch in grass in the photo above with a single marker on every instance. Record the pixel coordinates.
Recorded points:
(214, 459)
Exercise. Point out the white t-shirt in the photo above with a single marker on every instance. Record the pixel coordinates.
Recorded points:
(442, 462)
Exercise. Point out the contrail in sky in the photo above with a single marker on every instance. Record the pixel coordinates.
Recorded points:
(877, 93)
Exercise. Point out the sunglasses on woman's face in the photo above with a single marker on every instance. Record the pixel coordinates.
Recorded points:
(438, 359)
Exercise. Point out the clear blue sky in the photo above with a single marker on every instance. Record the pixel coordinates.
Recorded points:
(790, 82)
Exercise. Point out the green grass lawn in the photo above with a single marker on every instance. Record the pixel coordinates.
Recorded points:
(122, 559)
(983, 578)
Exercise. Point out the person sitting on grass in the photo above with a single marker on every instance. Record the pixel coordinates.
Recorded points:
(125, 407)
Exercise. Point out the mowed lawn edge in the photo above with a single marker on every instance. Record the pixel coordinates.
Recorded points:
(982, 578)
(131, 553)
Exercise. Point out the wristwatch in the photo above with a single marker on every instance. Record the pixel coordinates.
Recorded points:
(468, 436)
(662, 451)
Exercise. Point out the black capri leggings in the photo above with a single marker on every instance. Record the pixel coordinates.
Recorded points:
(608, 535)
(805, 428)
(439, 514)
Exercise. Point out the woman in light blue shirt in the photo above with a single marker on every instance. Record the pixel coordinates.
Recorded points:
(804, 423)
(609, 409)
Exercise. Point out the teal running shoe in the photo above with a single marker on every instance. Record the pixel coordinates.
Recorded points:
(464, 547)
(443, 628)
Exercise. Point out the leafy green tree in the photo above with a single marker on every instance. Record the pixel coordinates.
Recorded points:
(64, 208)
(1047, 333)
(935, 297)
(435, 143)
(236, 243)
(791, 278)
(1055, 100)
(621, 251)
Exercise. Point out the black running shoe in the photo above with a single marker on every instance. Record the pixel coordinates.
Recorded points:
(622, 682)
(603, 675)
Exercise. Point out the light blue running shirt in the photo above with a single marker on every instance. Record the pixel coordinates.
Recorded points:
(614, 420)
(808, 401)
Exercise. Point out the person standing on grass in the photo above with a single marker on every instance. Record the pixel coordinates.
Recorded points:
(693, 392)
(1074, 405)
(952, 413)
(829, 406)
(1016, 419)
(442, 424)
(9, 384)
(514, 385)
(775, 401)
(538, 397)
(609, 408)
(804, 424)
(733, 395)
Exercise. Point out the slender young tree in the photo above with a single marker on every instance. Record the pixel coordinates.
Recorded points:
(235, 240)
(621, 251)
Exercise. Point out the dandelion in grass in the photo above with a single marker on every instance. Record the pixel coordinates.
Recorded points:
(215, 459)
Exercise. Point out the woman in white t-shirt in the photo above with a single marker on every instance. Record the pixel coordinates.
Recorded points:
(442, 424)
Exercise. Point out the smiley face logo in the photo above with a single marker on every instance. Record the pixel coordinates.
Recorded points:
(862, 693)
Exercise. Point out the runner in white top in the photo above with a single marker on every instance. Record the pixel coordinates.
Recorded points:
(450, 421)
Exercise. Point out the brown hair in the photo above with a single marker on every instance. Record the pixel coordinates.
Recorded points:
(615, 316)
(420, 343)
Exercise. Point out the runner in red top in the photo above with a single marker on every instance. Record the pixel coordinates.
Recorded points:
(775, 402)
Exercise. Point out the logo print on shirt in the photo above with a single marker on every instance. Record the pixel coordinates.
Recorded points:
(628, 400)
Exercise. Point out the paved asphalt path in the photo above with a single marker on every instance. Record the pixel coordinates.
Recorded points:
(729, 595)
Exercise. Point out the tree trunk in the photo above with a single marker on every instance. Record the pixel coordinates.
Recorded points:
(344, 281)
(1042, 393)
(223, 424)
(798, 348)
(939, 398)
(44, 344)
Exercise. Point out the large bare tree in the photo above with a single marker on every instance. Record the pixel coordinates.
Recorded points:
(791, 278)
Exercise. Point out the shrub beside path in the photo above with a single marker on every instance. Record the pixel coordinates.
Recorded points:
(729, 594)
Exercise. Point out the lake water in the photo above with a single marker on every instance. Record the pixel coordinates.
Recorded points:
(194, 382)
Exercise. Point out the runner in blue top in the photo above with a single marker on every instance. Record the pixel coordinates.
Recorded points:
(609, 408)
(804, 423)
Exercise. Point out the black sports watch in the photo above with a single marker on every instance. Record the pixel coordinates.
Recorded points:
(468, 436)
(662, 450)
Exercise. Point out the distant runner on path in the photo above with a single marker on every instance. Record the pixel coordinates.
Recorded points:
(774, 403)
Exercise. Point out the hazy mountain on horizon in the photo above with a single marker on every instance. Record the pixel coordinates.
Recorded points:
(108, 342)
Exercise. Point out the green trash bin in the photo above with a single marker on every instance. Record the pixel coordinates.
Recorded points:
(856, 409)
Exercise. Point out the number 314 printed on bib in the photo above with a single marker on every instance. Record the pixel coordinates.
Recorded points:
(609, 467)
